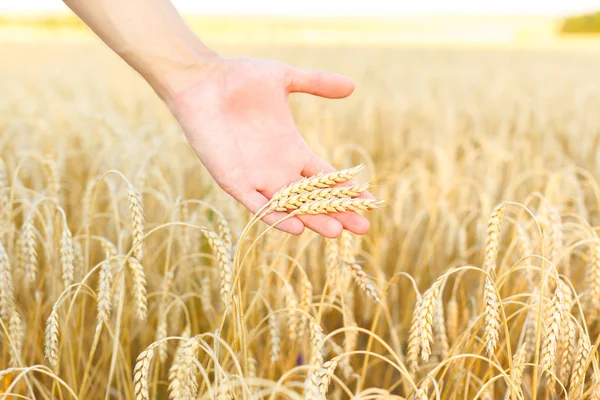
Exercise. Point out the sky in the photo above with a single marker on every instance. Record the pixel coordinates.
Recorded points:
(350, 7)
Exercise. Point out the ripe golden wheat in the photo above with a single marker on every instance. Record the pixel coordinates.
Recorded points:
(127, 273)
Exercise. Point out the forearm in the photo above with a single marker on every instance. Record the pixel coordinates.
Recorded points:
(151, 36)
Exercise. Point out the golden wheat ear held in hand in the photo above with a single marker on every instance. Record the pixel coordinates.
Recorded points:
(319, 195)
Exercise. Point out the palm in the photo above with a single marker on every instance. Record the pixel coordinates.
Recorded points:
(238, 122)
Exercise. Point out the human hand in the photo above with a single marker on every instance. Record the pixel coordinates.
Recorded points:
(236, 117)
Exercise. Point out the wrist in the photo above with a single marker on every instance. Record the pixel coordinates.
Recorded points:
(182, 71)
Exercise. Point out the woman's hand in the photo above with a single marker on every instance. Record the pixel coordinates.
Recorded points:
(237, 119)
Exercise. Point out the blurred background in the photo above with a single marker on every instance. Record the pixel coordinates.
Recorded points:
(377, 22)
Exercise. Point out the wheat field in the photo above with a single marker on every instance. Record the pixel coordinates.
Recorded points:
(126, 273)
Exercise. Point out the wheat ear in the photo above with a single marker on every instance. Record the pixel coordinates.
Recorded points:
(452, 319)
(594, 278)
(318, 181)
(412, 355)
(28, 241)
(492, 316)
(136, 209)
(139, 288)
(141, 373)
(225, 266)
(17, 335)
(552, 331)
(335, 205)
(584, 349)
(492, 242)
(51, 339)
(104, 294)
(439, 328)
(67, 258)
(274, 337)
(7, 292)
(296, 201)
(516, 372)
(182, 375)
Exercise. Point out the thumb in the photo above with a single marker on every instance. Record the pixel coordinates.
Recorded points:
(320, 83)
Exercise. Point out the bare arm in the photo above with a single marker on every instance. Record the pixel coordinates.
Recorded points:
(234, 112)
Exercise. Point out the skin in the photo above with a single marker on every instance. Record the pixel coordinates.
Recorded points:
(233, 111)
